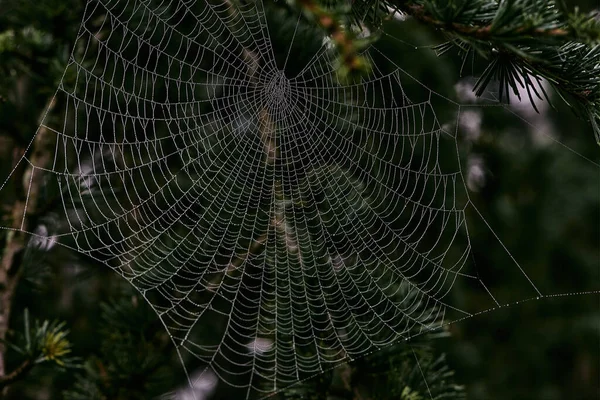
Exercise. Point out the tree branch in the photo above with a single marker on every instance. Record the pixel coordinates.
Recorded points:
(475, 30)
(17, 374)
(21, 211)
(524, 43)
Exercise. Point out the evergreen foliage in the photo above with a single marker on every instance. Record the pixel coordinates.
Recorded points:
(523, 42)
(123, 352)
(129, 363)
(38, 343)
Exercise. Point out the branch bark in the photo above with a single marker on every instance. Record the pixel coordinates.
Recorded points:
(475, 31)
(17, 374)
(28, 185)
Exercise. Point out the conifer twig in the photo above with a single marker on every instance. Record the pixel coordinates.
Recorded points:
(17, 374)
(524, 42)
(480, 31)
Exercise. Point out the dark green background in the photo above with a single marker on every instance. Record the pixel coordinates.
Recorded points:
(542, 199)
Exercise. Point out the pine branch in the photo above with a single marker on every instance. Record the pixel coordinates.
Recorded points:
(525, 42)
(351, 64)
(480, 30)
(41, 343)
(17, 374)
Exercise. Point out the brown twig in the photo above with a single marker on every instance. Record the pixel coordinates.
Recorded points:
(17, 374)
(344, 39)
(21, 211)
(475, 31)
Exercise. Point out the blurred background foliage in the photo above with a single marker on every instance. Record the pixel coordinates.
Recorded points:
(532, 176)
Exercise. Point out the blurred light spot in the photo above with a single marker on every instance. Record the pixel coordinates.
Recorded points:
(464, 90)
(470, 123)
(202, 386)
(475, 173)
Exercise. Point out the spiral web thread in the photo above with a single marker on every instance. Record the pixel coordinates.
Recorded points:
(279, 224)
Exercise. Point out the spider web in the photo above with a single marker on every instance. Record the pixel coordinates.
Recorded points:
(278, 222)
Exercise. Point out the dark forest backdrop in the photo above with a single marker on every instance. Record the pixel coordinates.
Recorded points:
(540, 195)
